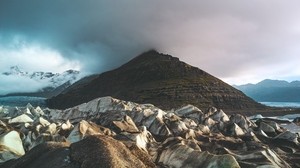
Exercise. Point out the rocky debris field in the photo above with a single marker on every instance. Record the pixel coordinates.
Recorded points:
(108, 132)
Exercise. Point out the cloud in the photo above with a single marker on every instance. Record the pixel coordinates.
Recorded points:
(233, 40)
(32, 58)
(11, 84)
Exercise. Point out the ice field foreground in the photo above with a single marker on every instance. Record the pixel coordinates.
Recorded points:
(108, 132)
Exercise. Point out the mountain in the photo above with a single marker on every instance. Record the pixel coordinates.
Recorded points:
(161, 80)
(54, 83)
(272, 91)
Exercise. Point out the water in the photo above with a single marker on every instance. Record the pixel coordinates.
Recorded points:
(282, 104)
(21, 101)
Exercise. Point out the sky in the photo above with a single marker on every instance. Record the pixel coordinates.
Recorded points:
(237, 41)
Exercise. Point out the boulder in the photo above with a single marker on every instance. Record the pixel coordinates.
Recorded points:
(220, 116)
(289, 136)
(50, 129)
(203, 128)
(24, 118)
(234, 130)
(266, 128)
(176, 126)
(37, 112)
(84, 128)
(209, 122)
(159, 129)
(190, 112)
(263, 158)
(67, 125)
(11, 146)
(140, 139)
(178, 153)
(42, 121)
(126, 125)
(241, 121)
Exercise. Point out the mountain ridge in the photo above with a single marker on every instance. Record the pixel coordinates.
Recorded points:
(269, 90)
(159, 79)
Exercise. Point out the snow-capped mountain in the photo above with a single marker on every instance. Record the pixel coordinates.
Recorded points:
(51, 81)
(14, 70)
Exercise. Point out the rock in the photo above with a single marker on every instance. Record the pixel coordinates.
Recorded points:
(203, 128)
(11, 146)
(3, 127)
(186, 137)
(176, 126)
(24, 118)
(209, 122)
(190, 112)
(50, 129)
(91, 108)
(287, 135)
(139, 113)
(190, 123)
(27, 111)
(176, 153)
(84, 128)
(159, 129)
(67, 125)
(274, 125)
(140, 139)
(43, 121)
(235, 130)
(148, 121)
(297, 121)
(263, 158)
(126, 125)
(220, 116)
(144, 138)
(266, 128)
(37, 112)
(188, 109)
(241, 121)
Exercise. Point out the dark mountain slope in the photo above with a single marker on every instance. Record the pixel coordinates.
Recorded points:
(159, 79)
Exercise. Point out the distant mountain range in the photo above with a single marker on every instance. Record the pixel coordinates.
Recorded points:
(159, 79)
(54, 83)
(272, 91)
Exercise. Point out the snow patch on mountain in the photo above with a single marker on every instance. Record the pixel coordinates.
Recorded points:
(16, 80)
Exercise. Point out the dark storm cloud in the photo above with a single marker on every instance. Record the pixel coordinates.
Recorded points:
(230, 39)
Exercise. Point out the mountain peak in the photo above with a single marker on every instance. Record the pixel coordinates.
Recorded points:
(150, 57)
(15, 70)
(271, 82)
(159, 79)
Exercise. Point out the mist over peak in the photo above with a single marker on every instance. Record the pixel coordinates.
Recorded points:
(233, 40)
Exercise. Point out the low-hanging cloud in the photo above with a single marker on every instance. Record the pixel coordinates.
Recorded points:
(233, 40)
(11, 84)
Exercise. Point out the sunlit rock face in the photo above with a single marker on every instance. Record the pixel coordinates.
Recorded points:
(122, 133)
